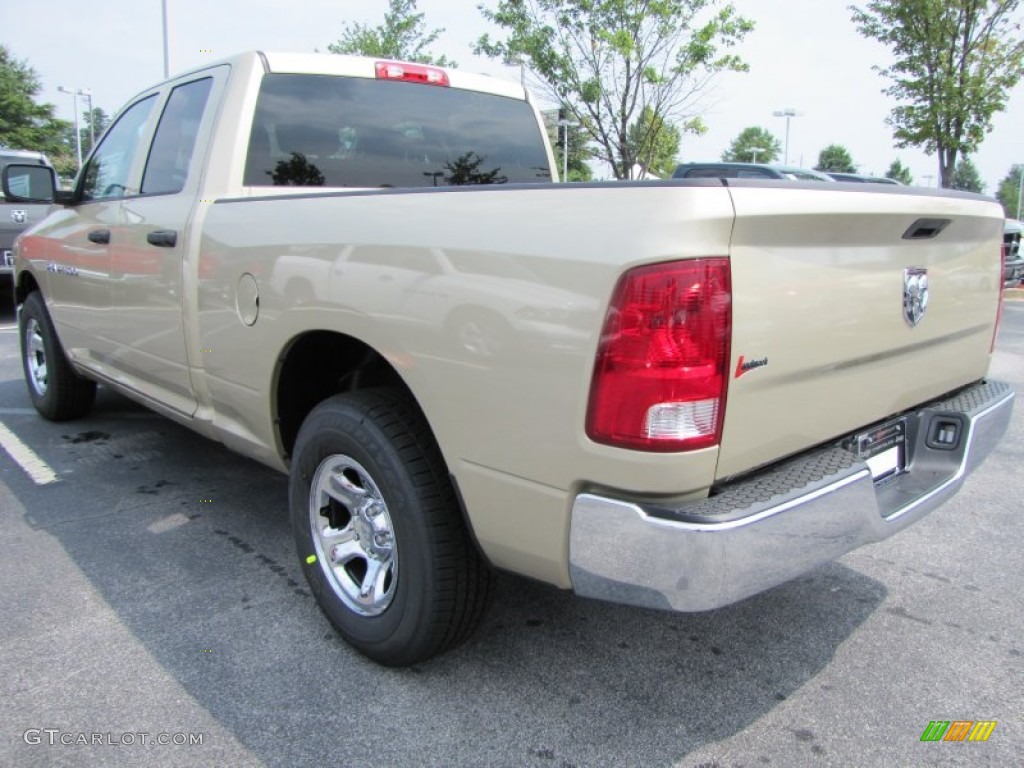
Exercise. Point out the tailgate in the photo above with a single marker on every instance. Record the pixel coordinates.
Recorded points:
(821, 345)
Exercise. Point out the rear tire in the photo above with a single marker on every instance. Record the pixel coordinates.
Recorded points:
(57, 392)
(378, 529)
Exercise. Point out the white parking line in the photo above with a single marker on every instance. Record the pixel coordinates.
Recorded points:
(40, 472)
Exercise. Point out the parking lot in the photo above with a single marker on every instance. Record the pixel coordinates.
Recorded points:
(151, 594)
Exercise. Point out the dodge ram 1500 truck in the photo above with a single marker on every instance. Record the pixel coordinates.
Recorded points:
(668, 394)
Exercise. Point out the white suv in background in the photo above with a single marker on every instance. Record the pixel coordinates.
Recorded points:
(1013, 273)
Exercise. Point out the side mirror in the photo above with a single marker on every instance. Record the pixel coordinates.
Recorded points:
(29, 184)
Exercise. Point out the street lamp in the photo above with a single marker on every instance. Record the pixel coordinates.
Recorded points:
(563, 123)
(78, 136)
(167, 69)
(787, 113)
(87, 94)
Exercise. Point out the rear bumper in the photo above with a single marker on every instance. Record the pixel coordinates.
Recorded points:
(779, 523)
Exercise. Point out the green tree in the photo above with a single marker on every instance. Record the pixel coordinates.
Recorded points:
(966, 177)
(900, 172)
(466, 169)
(753, 145)
(835, 157)
(90, 124)
(24, 124)
(606, 61)
(956, 60)
(1009, 192)
(654, 144)
(402, 36)
(93, 124)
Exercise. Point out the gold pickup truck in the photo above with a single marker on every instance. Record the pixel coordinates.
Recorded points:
(669, 394)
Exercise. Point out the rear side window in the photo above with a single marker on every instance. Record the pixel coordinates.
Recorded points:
(316, 130)
(107, 172)
(175, 139)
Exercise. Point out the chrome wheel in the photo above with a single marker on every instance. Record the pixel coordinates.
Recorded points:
(35, 357)
(353, 535)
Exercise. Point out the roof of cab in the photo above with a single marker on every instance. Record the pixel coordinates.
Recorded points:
(281, 62)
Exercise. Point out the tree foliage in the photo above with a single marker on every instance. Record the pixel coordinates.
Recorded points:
(607, 60)
(403, 36)
(25, 124)
(91, 124)
(654, 143)
(753, 145)
(966, 177)
(1009, 192)
(835, 157)
(900, 172)
(956, 61)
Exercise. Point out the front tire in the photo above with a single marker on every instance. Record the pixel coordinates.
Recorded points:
(379, 533)
(57, 392)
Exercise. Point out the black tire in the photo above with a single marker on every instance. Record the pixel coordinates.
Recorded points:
(57, 392)
(391, 508)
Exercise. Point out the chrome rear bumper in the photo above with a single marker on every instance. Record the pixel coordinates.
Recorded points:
(779, 523)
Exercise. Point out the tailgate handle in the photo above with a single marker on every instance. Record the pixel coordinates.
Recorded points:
(101, 236)
(925, 229)
(163, 238)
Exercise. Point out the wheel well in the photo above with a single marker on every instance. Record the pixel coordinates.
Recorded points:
(320, 364)
(24, 286)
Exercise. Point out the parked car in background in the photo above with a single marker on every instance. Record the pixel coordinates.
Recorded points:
(746, 171)
(1013, 272)
(837, 176)
(18, 216)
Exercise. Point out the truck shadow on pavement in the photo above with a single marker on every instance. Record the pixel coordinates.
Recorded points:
(190, 546)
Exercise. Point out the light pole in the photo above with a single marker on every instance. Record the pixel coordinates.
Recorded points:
(787, 113)
(563, 123)
(87, 94)
(754, 151)
(78, 136)
(167, 69)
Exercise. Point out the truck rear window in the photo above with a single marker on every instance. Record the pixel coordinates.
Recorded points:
(325, 131)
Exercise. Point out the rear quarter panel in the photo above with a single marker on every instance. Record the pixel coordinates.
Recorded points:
(423, 277)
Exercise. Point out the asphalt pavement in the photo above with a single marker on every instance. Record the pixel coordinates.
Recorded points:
(152, 612)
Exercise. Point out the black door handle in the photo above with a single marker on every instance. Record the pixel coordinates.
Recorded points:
(163, 238)
(101, 236)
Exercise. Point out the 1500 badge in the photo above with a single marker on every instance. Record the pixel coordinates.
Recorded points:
(62, 269)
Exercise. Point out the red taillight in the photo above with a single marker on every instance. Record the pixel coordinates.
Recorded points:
(411, 73)
(662, 363)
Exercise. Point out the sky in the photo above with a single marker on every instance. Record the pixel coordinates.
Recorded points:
(803, 54)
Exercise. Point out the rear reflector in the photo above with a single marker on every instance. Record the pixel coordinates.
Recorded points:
(661, 372)
(411, 73)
